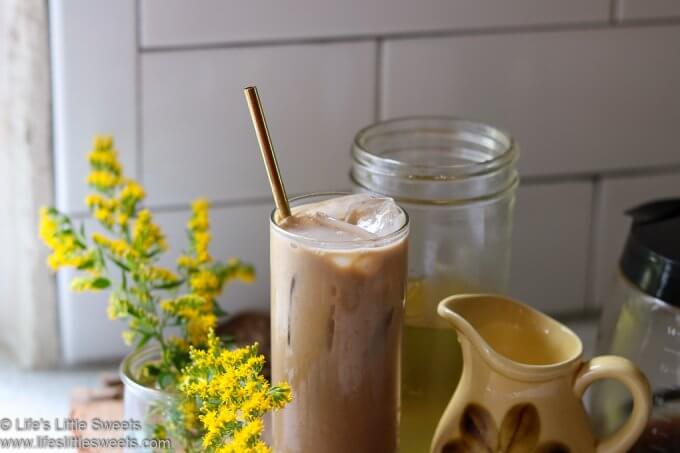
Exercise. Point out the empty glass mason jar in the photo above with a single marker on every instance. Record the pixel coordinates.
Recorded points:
(457, 180)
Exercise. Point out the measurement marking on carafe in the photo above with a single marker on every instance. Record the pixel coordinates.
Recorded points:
(672, 351)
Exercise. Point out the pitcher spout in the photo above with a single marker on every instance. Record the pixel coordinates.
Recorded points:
(512, 337)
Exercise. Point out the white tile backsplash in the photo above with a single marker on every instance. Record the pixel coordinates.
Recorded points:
(585, 98)
(94, 60)
(647, 9)
(550, 245)
(578, 101)
(198, 137)
(617, 196)
(87, 334)
(181, 23)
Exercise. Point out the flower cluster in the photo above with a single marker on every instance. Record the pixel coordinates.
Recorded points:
(68, 248)
(233, 396)
(151, 298)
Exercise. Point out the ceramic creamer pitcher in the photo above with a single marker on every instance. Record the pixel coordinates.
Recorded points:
(522, 383)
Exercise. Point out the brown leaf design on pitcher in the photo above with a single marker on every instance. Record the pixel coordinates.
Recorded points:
(519, 433)
(520, 429)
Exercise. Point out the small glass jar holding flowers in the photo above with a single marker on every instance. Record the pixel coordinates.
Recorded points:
(181, 381)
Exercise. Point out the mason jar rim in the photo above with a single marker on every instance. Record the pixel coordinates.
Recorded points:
(127, 376)
(393, 167)
(344, 245)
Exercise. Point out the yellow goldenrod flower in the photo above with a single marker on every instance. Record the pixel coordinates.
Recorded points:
(95, 200)
(128, 337)
(105, 159)
(146, 235)
(233, 394)
(102, 142)
(246, 274)
(248, 435)
(122, 219)
(187, 262)
(187, 306)
(199, 220)
(178, 343)
(119, 248)
(201, 243)
(161, 274)
(67, 251)
(132, 191)
(205, 283)
(199, 326)
(104, 216)
(48, 228)
(189, 413)
(103, 180)
(199, 231)
(117, 308)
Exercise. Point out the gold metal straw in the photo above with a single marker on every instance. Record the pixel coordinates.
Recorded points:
(265, 141)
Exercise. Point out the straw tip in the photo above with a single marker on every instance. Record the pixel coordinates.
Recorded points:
(250, 88)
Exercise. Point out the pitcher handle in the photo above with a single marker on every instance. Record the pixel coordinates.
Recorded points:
(614, 367)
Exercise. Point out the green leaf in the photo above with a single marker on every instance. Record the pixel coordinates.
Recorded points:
(165, 379)
(180, 359)
(89, 283)
(219, 311)
(153, 253)
(152, 370)
(101, 283)
(169, 285)
(120, 264)
(144, 340)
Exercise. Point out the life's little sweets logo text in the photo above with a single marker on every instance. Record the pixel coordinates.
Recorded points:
(34, 424)
(19, 433)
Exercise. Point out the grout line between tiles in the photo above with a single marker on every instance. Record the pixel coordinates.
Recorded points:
(645, 22)
(592, 250)
(52, 142)
(524, 180)
(488, 31)
(379, 73)
(653, 170)
(214, 204)
(614, 12)
(139, 174)
(52, 88)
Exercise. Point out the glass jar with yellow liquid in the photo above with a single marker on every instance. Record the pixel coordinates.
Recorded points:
(457, 180)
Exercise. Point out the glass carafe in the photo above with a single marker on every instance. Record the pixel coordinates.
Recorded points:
(641, 321)
(457, 180)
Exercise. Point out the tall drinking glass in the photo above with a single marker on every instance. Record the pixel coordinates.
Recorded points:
(337, 309)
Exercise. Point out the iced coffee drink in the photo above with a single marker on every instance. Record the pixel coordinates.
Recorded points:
(338, 272)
